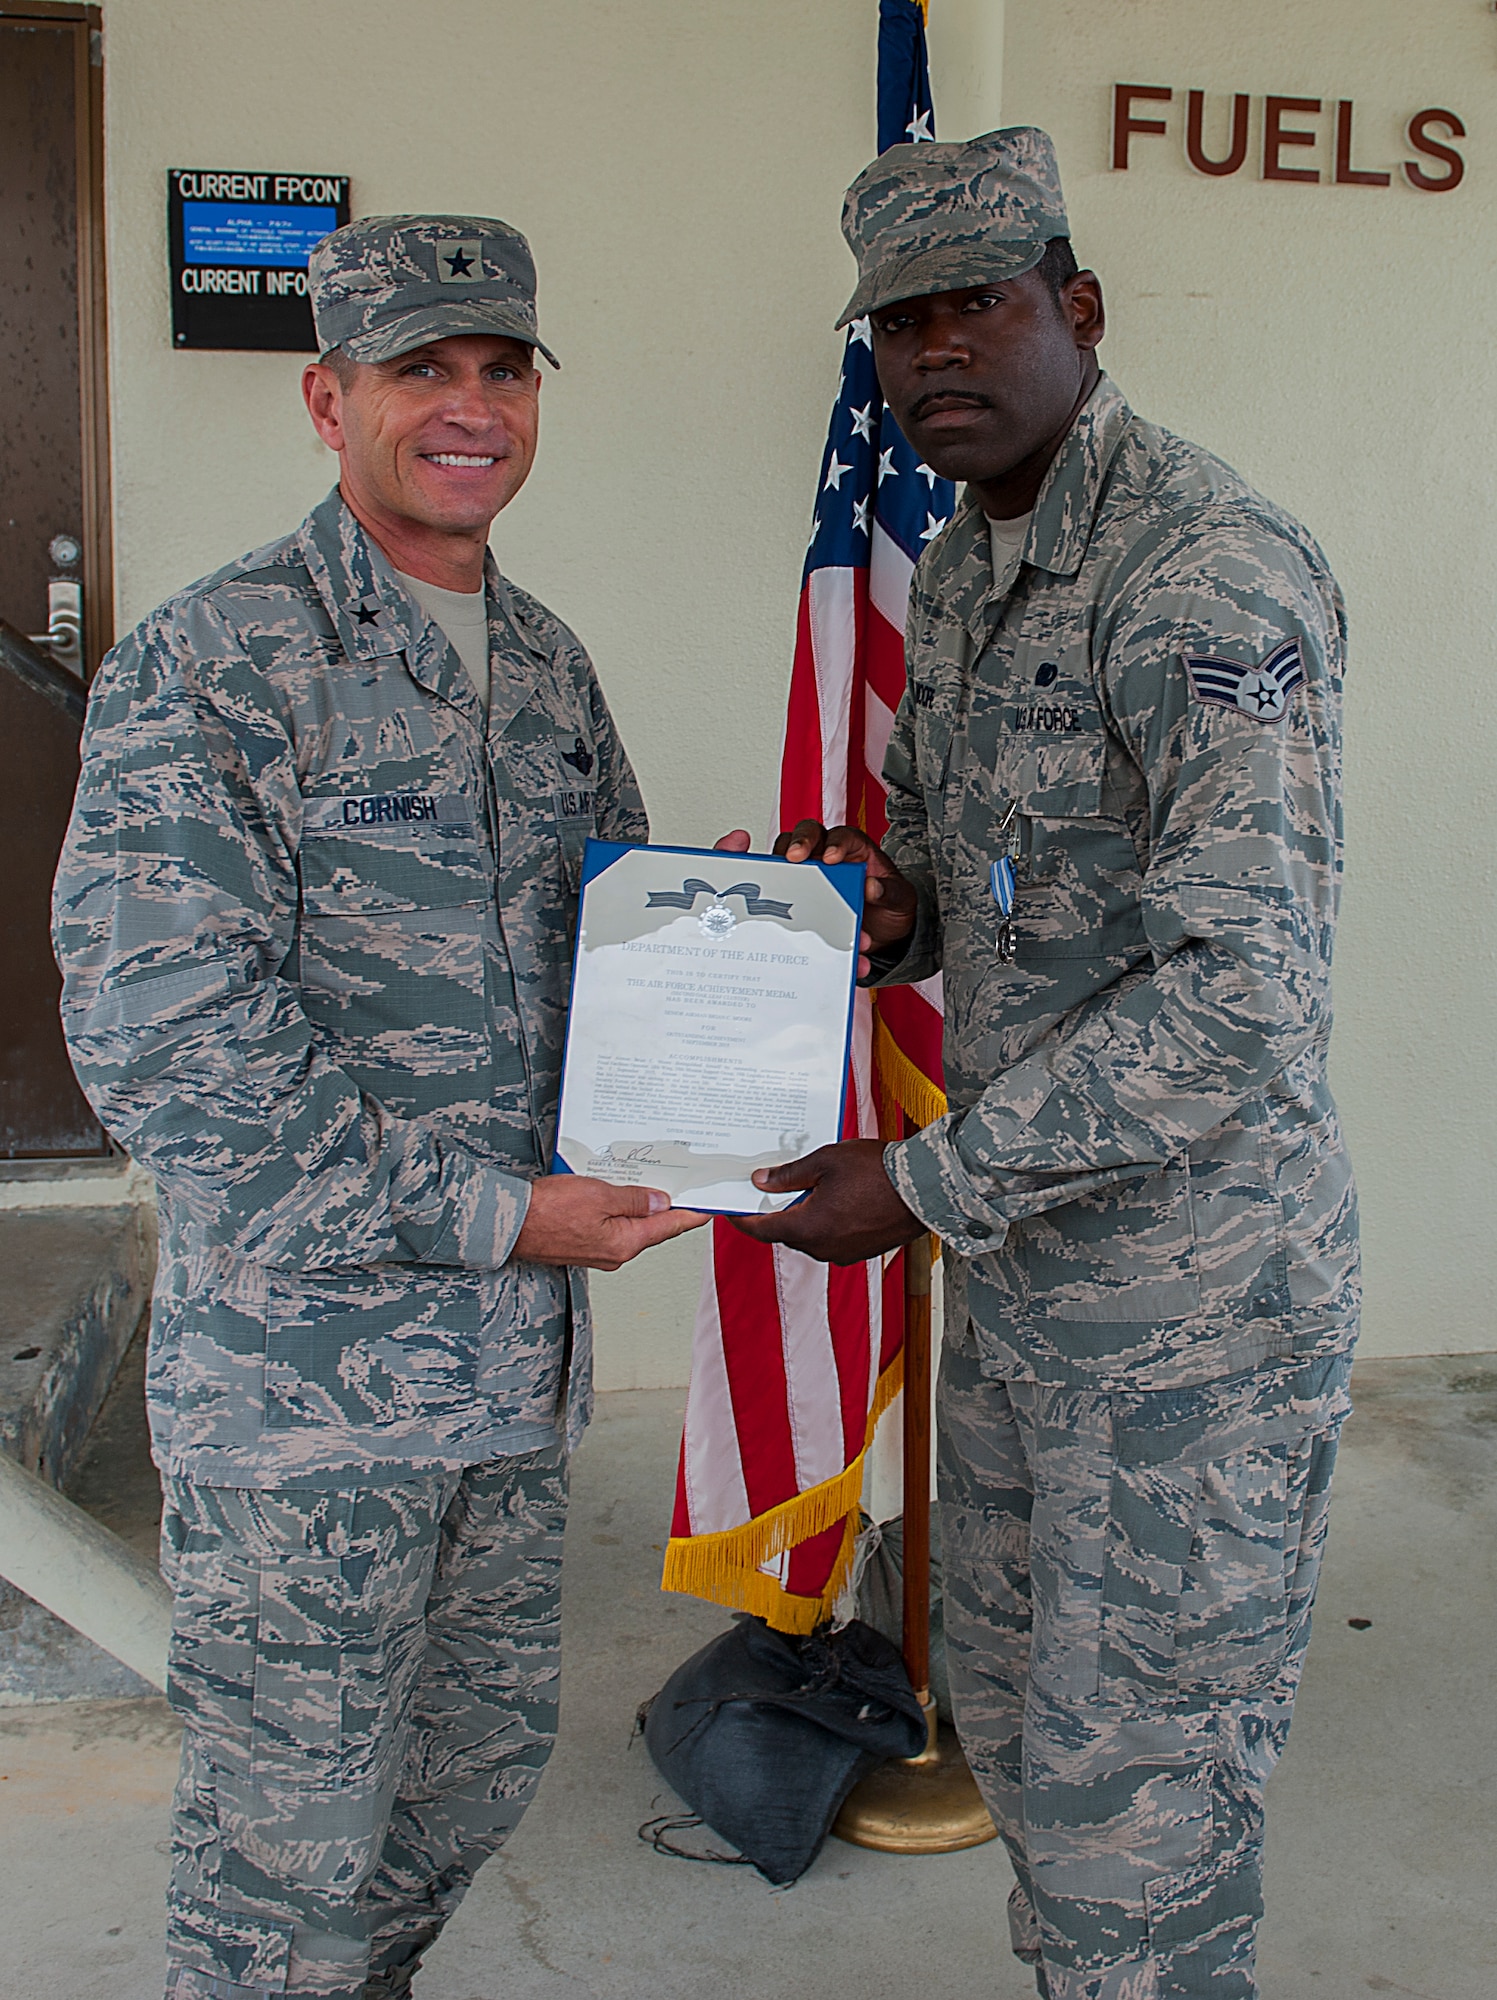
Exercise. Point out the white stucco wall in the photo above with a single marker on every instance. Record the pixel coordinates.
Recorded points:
(679, 172)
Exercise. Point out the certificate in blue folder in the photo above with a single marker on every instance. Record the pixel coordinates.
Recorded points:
(710, 1020)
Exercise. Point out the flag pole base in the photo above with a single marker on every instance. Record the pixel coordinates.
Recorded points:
(928, 1804)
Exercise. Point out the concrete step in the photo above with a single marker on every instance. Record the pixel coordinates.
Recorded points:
(75, 1282)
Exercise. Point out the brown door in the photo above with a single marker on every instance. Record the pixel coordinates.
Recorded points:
(54, 525)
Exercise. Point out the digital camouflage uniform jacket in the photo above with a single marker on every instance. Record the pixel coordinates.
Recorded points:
(316, 937)
(1142, 1168)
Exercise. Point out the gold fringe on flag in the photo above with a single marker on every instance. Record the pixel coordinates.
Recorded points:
(910, 1089)
(725, 1567)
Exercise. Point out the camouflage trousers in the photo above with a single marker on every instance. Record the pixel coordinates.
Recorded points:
(1128, 1586)
(369, 1680)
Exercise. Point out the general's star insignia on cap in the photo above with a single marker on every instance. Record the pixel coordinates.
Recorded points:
(1261, 692)
(460, 263)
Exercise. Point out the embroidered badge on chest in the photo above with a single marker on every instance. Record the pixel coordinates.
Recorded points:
(1262, 692)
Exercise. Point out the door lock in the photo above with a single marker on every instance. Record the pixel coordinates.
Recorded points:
(63, 637)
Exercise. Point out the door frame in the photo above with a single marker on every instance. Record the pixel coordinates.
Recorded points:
(93, 324)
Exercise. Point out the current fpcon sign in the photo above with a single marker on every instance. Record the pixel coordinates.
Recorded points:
(239, 249)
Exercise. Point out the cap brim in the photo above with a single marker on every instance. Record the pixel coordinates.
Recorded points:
(444, 321)
(948, 268)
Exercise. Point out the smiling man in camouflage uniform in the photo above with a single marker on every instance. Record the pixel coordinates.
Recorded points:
(315, 918)
(1114, 827)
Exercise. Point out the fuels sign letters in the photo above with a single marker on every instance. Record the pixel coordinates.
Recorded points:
(239, 249)
(1292, 133)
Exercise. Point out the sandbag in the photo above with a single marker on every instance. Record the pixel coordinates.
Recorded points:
(764, 1735)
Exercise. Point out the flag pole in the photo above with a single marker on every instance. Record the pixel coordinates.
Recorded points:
(928, 1804)
(917, 1270)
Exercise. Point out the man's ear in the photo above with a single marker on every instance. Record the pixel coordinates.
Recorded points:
(322, 393)
(1084, 307)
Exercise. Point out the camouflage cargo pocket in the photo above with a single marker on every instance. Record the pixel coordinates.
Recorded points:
(296, 1710)
(253, 1954)
(254, 1668)
(1193, 1596)
(1213, 1552)
(339, 1648)
(293, 1668)
(211, 1657)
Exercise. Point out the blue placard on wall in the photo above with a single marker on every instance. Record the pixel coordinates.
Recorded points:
(223, 232)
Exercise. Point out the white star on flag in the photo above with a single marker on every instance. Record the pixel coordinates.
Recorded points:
(886, 465)
(860, 514)
(930, 477)
(862, 421)
(931, 529)
(834, 474)
(919, 128)
(861, 330)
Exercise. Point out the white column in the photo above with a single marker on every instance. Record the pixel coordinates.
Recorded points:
(965, 38)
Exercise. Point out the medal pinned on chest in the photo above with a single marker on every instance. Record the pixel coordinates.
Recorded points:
(1004, 885)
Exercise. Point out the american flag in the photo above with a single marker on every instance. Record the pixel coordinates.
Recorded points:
(793, 1362)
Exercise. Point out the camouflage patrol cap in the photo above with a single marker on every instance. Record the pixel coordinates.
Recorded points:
(388, 283)
(934, 217)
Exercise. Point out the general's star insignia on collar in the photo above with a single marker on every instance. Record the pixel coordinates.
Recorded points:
(460, 261)
(366, 613)
(1262, 692)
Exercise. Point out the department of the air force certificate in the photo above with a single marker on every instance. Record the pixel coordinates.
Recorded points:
(711, 1010)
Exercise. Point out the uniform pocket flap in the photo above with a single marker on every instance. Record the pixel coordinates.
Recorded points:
(251, 1952)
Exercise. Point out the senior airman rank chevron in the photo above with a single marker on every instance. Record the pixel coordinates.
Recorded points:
(1261, 692)
(793, 1361)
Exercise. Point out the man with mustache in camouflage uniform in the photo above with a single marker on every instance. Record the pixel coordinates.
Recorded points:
(1115, 829)
(315, 918)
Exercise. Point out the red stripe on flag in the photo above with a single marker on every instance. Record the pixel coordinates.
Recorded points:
(893, 1336)
(681, 1517)
(800, 767)
(883, 659)
(749, 1306)
(811, 1561)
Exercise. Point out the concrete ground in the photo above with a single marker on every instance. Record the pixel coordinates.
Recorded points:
(1383, 1819)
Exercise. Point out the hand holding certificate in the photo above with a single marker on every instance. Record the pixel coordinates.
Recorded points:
(710, 1019)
